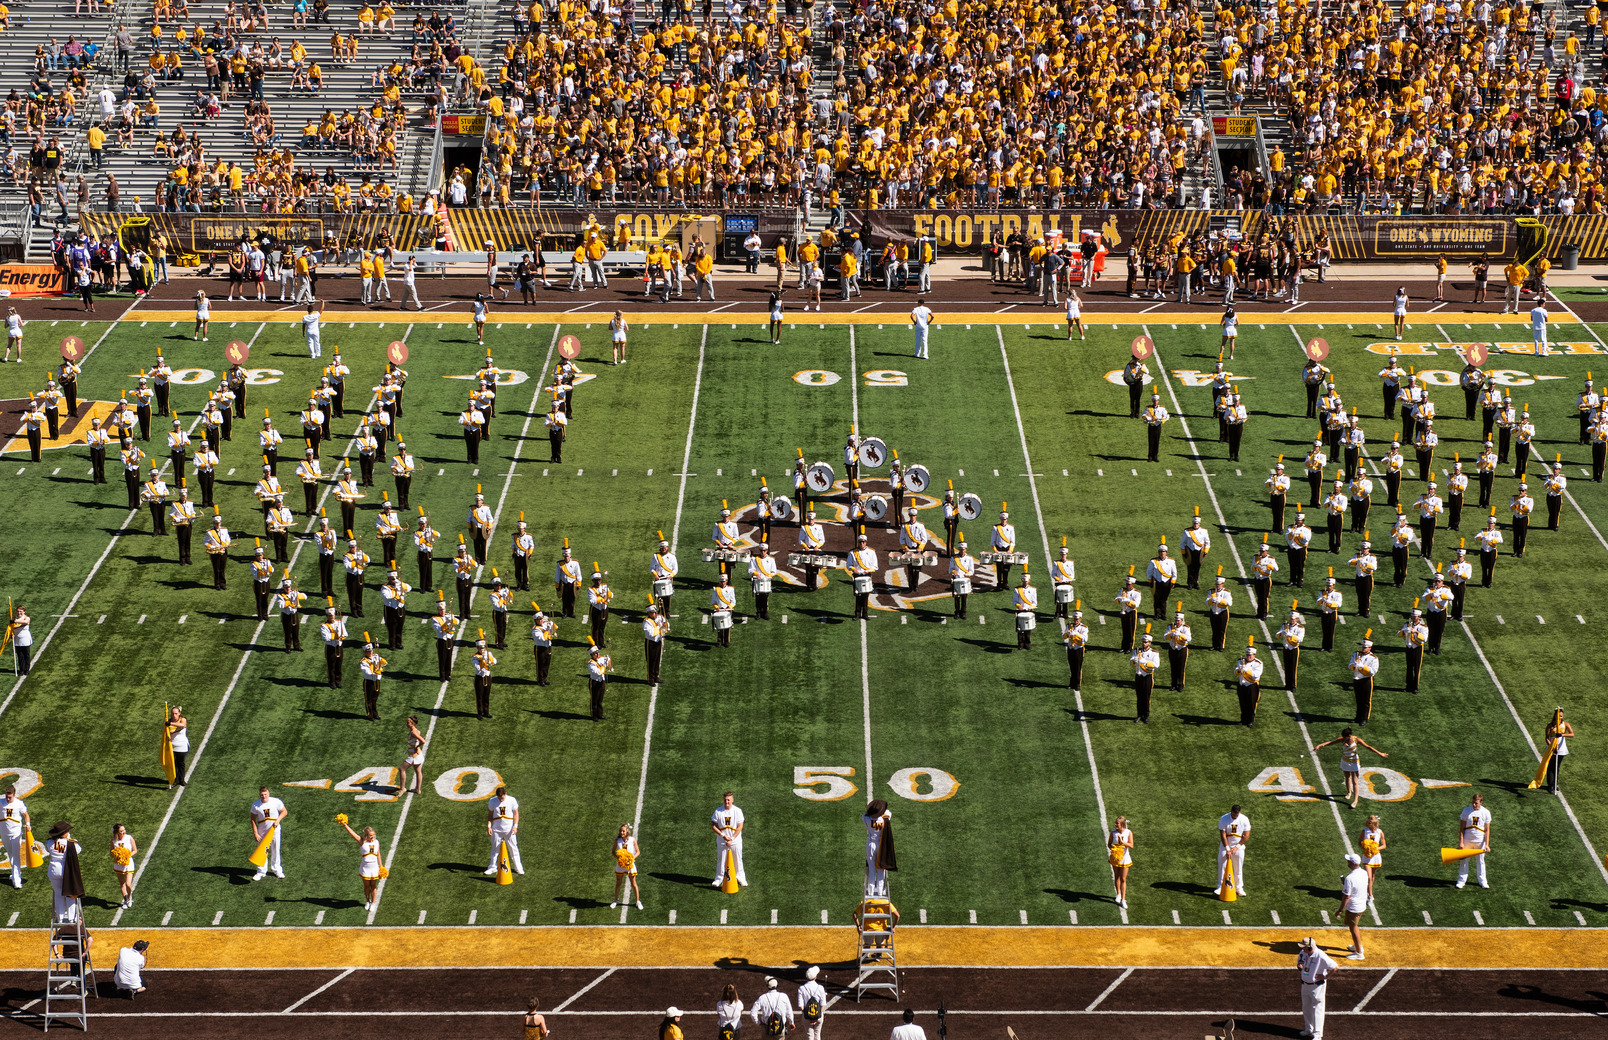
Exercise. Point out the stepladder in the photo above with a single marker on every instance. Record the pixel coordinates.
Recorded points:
(69, 972)
(876, 957)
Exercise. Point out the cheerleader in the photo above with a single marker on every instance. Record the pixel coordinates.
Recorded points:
(368, 865)
(626, 852)
(414, 759)
(123, 851)
(1074, 314)
(1121, 850)
(776, 317)
(1351, 760)
(1373, 847)
(619, 328)
(1230, 323)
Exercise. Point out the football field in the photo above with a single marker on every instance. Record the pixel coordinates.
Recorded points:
(1003, 780)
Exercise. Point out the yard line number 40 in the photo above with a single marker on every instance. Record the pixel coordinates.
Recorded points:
(832, 783)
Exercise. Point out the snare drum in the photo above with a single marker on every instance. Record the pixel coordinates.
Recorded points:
(961, 586)
(862, 584)
(762, 584)
(664, 588)
(722, 620)
(1026, 622)
(1063, 592)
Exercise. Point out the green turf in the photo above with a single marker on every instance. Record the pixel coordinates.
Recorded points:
(1023, 831)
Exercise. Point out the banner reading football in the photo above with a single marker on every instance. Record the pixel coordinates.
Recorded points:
(32, 280)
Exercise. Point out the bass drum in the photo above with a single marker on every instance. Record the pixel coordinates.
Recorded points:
(873, 453)
(917, 479)
(970, 506)
(781, 508)
(876, 507)
(820, 477)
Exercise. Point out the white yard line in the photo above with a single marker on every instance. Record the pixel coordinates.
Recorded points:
(675, 536)
(1044, 538)
(1376, 988)
(865, 648)
(441, 695)
(317, 991)
(39, 650)
(573, 997)
(1239, 564)
(1119, 980)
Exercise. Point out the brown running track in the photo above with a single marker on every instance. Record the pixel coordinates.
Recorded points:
(1037, 1003)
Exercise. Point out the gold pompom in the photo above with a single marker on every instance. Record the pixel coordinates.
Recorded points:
(340, 818)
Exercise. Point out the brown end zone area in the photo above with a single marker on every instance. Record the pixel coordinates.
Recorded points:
(1036, 1003)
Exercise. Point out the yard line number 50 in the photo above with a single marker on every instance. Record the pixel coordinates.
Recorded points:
(832, 783)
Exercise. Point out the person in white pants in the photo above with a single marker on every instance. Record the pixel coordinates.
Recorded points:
(410, 290)
(287, 276)
(1316, 967)
(14, 824)
(921, 321)
(268, 811)
(771, 1003)
(502, 823)
(1474, 832)
(727, 823)
(1538, 328)
(1233, 830)
(812, 1003)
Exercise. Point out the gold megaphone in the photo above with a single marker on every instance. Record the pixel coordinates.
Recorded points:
(729, 885)
(33, 852)
(259, 856)
(504, 875)
(1453, 855)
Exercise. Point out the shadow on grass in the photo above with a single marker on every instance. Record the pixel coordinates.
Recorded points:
(1187, 888)
(1068, 896)
(234, 875)
(680, 879)
(154, 782)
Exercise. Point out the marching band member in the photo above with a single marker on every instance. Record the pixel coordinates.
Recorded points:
(182, 513)
(402, 467)
(862, 566)
(725, 534)
(1062, 573)
(67, 374)
(557, 424)
(394, 593)
(1328, 611)
(523, 546)
(218, 541)
(1521, 505)
(913, 539)
(463, 568)
(664, 567)
(722, 607)
(811, 539)
(387, 526)
(1197, 543)
(483, 661)
(1263, 567)
(355, 561)
(1076, 639)
(373, 669)
(310, 474)
(598, 598)
(1364, 564)
(1488, 538)
(1429, 507)
(154, 493)
(1278, 490)
(1163, 575)
(97, 438)
(333, 632)
(266, 490)
(1391, 377)
(962, 566)
(1364, 667)
(1025, 603)
(1134, 374)
(1248, 673)
(542, 633)
(1003, 540)
(1316, 460)
(1290, 636)
(502, 598)
(1456, 491)
(1555, 484)
(801, 486)
(1415, 634)
(761, 574)
(143, 396)
(347, 493)
(597, 679)
(1219, 601)
(655, 626)
(132, 458)
(1145, 661)
(178, 448)
(424, 541)
(951, 521)
(851, 458)
(262, 572)
(1392, 463)
(445, 626)
(1401, 540)
(1127, 602)
(896, 485)
(1436, 599)
(763, 511)
(1155, 418)
(1457, 577)
(368, 449)
(1178, 635)
(288, 602)
(312, 420)
(472, 421)
(1524, 434)
(1424, 446)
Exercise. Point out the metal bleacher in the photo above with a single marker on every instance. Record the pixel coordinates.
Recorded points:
(139, 172)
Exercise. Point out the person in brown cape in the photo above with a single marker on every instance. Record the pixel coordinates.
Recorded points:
(880, 857)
